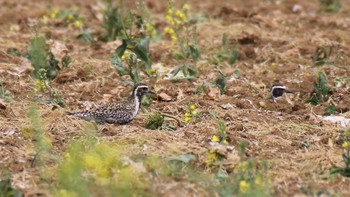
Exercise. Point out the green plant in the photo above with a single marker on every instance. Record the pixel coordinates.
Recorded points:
(321, 90)
(330, 5)
(46, 68)
(248, 179)
(85, 36)
(6, 189)
(344, 171)
(215, 157)
(220, 82)
(41, 58)
(13, 52)
(182, 32)
(191, 113)
(92, 167)
(155, 121)
(5, 94)
(133, 65)
(331, 109)
(42, 142)
(184, 72)
(180, 165)
(322, 56)
(227, 53)
(115, 21)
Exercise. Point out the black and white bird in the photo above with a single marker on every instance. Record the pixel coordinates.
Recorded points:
(117, 113)
(278, 90)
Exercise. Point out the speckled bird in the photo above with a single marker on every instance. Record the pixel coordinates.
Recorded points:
(117, 113)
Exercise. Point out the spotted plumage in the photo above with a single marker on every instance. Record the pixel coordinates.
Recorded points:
(117, 113)
(278, 90)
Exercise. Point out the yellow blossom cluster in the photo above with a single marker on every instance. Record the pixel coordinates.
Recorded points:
(126, 55)
(346, 145)
(212, 158)
(191, 113)
(151, 31)
(176, 19)
(40, 86)
(170, 31)
(244, 186)
(69, 16)
(217, 139)
(40, 82)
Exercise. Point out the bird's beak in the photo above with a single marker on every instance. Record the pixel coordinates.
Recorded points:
(150, 92)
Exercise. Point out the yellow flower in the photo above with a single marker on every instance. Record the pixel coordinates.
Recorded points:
(177, 21)
(150, 30)
(187, 119)
(192, 107)
(187, 115)
(243, 166)
(173, 38)
(185, 7)
(346, 144)
(126, 55)
(212, 158)
(169, 30)
(78, 23)
(180, 15)
(54, 13)
(70, 17)
(215, 138)
(169, 19)
(170, 11)
(244, 186)
(92, 161)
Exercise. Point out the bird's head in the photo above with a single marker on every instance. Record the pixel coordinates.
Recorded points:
(141, 89)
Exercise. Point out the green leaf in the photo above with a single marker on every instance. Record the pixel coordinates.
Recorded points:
(121, 49)
(189, 72)
(118, 65)
(155, 121)
(185, 158)
(220, 82)
(141, 50)
(194, 51)
(177, 70)
(331, 109)
(66, 60)
(6, 189)
(13, 52)
(234, 56)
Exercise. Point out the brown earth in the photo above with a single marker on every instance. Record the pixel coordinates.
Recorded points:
(276, 45)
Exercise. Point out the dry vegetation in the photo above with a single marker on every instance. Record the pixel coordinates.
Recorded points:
(232, 140)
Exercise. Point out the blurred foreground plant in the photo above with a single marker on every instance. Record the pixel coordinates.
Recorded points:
(99, 168)
(46, 68)
(247, 179)
(345, 170)
(41, 140)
